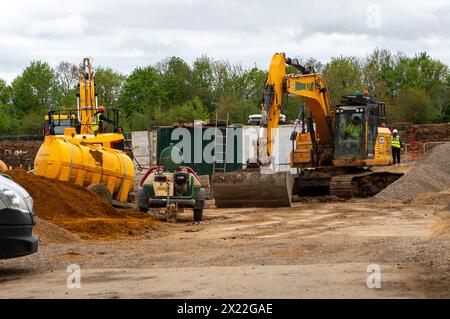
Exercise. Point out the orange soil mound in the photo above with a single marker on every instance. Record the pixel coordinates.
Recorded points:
(51, 233)
(54, 199)
(78, 210)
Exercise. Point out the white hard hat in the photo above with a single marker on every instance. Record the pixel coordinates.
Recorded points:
(395, 131)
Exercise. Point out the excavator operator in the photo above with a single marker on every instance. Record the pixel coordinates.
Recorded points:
(98, 120)
(353, 130)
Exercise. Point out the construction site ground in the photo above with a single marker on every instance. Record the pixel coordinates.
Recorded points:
(316, 249)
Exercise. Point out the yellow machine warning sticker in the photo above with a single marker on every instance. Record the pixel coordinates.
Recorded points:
(161, 189)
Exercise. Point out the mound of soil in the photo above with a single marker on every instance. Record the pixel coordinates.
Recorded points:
(128, 225)
(441, 198)
(55, 199)
(50, 233)
(427, 133)
(78, 211)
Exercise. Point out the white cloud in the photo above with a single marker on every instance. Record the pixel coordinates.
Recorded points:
(69, 25)
(128, 33)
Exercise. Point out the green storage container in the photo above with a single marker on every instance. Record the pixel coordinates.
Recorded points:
(164, 140)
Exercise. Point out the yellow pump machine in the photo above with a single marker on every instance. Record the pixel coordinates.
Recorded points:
(338, 151)
(76, 149)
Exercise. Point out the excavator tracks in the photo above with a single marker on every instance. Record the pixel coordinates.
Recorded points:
(345, 185)
(361, 185)
(250, 188)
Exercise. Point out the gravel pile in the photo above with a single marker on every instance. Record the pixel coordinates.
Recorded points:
(432, 174)
(438, 157)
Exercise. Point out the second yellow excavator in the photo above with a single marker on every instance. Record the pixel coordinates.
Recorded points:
(335, 151)
(80, 149)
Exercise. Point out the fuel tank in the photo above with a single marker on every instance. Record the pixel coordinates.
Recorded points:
(84, 164)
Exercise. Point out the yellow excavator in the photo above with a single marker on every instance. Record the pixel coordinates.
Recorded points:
(79, 148)
(336, 150)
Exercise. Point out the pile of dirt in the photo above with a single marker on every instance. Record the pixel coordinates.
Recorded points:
(50, 233)
(432, 174)
(426, 132)
(440, 198)
(130, 224)
(19, 153)
(54, 199)
(79, 211)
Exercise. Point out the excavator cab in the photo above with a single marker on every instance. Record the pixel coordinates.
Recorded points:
(57, 121)
(357, 120)
(107, 133)
(350, 134)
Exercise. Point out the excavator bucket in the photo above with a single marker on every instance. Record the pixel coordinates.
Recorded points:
(250, 188)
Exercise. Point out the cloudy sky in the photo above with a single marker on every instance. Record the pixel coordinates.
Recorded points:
(124, 34)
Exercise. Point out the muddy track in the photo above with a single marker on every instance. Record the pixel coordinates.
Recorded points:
(309, 250)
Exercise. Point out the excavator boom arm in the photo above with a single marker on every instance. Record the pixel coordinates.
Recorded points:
(314, 91)
(87, 101)
(310, 86)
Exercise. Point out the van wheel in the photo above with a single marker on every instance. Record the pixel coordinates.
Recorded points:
(101, 191)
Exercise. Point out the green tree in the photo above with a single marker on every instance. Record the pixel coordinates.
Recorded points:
(67, 77)
(238, 110)
(203, 82)
(141, 92)
(188, 111)
(238, 90)
(36, 89)
(376, 71)
(109, 84)
(343, 76)
(31, 123)
(441, 98)
(8, 123)
(5, 93)
(412, 105)
(176, 79)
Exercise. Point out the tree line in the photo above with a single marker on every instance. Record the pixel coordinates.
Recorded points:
(415, 89)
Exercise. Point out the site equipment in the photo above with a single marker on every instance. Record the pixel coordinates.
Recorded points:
(333, 151)
(74, 152)
(172, 187)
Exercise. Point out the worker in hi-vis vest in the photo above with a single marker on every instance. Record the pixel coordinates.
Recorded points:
(98, 120)
(396, 144)
(354, 129)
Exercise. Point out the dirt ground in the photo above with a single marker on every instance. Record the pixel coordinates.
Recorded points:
(19, 153)
(311, 250)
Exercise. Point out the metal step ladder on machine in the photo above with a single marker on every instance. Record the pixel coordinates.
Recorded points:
(220, 146)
